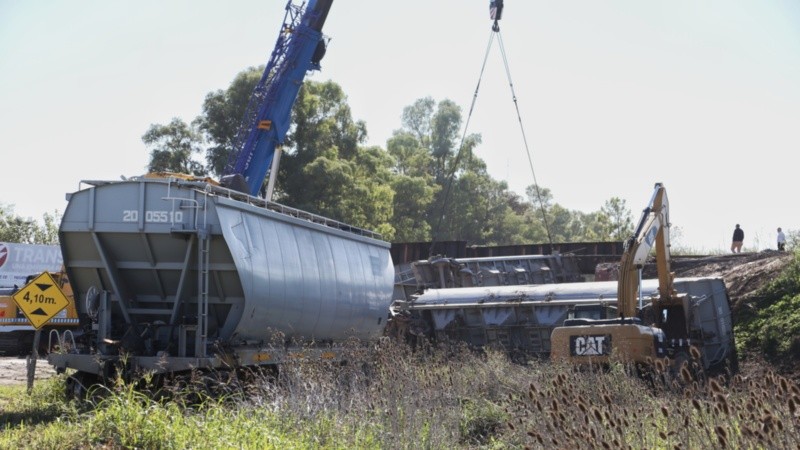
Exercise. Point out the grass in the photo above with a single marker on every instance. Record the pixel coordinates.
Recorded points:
(390, 397)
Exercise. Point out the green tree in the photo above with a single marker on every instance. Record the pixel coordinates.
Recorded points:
(470, 205)
(411, 155)
(480, 210)
(413, 196)
(541, 201)
(172, 147)
(327, 170)
(611, 221)
(16, 229)
(504, 218)
(576, 226)
(597, 227)
(467, 204)
(371, 205)
(620, 217)
(426, 185)
(435, 128)
(462, 216)
(454, 213)
(413, 185)
(221, 119)
(47, 233)
(509, 228)
(416, 119)
(562, 223)
(324, 168)
(324, 134)
(445, 124)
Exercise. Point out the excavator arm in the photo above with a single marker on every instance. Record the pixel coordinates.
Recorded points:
(651, 231)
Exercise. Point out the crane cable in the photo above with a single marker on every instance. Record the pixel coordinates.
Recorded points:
(524, 137)
(451, 176)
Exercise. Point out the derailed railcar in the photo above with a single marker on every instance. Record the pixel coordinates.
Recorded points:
(172, 274)
(440, 272)
(520, 319)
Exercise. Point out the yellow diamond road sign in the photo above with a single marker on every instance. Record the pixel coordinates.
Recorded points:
(41, 299)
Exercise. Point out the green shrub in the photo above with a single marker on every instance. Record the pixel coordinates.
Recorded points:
(770, 324)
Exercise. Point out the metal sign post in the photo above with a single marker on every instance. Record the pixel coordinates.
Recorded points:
(32, 358)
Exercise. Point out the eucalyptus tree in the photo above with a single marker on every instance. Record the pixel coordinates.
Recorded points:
(328, 169)
(467, 203)
(325, 168)
(173, 147)
(620, 217)
(20, 230)
(222, 116)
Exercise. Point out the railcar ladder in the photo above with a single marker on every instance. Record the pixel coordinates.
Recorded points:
(203, 262)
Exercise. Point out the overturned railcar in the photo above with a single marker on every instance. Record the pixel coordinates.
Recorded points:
(439, 272)
(172, 274)
(520, 319)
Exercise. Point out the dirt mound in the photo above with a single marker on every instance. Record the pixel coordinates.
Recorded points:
(744, 273)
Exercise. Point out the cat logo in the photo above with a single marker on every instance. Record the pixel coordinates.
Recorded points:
(590, 345)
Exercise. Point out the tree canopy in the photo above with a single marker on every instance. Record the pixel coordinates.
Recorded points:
(427, 184)
(20, 230)
(172, 147)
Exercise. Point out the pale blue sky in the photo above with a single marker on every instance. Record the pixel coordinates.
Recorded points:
(703, 96)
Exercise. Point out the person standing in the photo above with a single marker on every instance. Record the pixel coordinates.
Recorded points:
(781, 240)
(738, 239)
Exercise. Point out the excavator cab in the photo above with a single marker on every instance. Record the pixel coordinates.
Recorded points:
(672, 319)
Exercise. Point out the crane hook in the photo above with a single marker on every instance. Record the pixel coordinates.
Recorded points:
(496, 13)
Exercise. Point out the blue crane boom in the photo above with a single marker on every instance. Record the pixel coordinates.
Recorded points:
(299, 49)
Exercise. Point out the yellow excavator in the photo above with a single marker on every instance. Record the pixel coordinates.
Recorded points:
(586, 341)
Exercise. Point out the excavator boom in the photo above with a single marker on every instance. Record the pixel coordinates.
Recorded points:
(651, 231)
